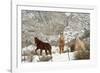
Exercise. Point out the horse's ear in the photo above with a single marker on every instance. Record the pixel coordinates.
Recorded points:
(35, 38)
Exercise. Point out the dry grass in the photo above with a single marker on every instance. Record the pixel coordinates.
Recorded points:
(82, 54)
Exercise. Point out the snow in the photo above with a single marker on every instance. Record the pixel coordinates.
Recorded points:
(62, 57)
(56, 56)
(35, 58)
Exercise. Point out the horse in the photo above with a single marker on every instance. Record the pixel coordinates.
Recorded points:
(61, 43)
(42, 46)
(79, 44)
(76, 44)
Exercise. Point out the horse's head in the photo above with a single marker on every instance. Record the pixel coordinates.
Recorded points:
(35, 39)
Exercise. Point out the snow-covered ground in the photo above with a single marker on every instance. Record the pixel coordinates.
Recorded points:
(62, 57)
(29, 55)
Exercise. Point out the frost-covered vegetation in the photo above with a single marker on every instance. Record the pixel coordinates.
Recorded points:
(47, 26)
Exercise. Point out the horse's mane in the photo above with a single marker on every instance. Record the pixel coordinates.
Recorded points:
(37, 41)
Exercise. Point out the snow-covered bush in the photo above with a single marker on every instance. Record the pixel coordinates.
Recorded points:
(82, 55)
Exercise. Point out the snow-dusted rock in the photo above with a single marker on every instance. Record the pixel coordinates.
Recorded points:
(35, 58)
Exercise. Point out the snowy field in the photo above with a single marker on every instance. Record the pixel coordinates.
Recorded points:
(29, 55)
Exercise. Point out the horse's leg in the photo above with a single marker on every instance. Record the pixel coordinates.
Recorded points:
(60, 49)
(49, 51)
(46, 52)
(41, 52)
(36, 50)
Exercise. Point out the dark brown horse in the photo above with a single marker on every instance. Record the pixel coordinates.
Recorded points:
(42, 46)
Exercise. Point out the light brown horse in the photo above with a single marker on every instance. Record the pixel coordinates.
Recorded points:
(79, 44)
(61, 43)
